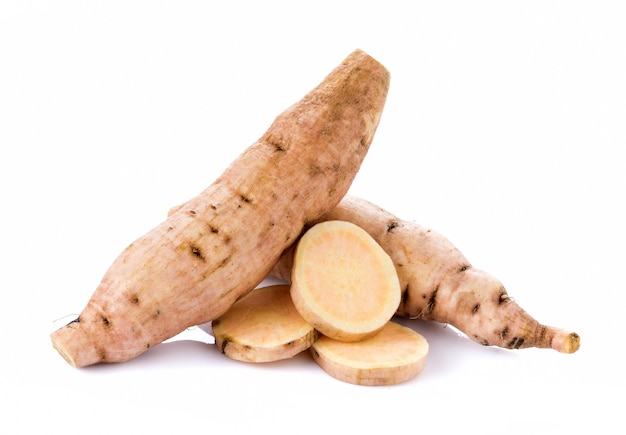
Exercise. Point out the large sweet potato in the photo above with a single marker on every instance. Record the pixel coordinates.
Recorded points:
(219, 245)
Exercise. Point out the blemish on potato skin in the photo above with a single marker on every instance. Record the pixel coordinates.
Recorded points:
(392, 225)
(432, 300)
(315, 170)
(464, 267)
(197, 252)
(482, 341)
(276, 142)
(76, 320)
(225, 342)
(516, 343)
(106, 322)
(405, 296)
(475, 309)
(224, 262)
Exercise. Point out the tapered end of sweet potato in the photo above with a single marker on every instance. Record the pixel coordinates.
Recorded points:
(80, 347)
(64, 341)
(566, 341)
(549, 337)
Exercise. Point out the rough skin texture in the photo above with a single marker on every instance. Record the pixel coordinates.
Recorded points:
(438, 283)
(221, 244)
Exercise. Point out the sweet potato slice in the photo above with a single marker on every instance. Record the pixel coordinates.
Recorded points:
(343, 282)
(263, 326)
(396, 354)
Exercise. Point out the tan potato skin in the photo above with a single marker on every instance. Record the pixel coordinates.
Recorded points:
(438, 283)
(221, 244)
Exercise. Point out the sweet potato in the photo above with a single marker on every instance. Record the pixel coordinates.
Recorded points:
(438, 283)
(396, 354)
(218, 246)
(263, 326)
(343, 282)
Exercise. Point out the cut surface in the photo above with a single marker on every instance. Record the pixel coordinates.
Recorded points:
(396, 354)
(263, 326)
(343, 282)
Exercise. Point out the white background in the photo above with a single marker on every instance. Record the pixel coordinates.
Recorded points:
(504, 130)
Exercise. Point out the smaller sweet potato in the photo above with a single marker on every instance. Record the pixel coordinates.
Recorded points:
(438, 283)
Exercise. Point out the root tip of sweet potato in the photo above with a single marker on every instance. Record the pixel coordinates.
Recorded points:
(571, 343)
(565, 341)
(61, 350)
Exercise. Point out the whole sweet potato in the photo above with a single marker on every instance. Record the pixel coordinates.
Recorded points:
(438, 283)
(219, 245)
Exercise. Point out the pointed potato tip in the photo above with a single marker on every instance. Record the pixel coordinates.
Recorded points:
(565, 342)
(61, 350)
(572, 343)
